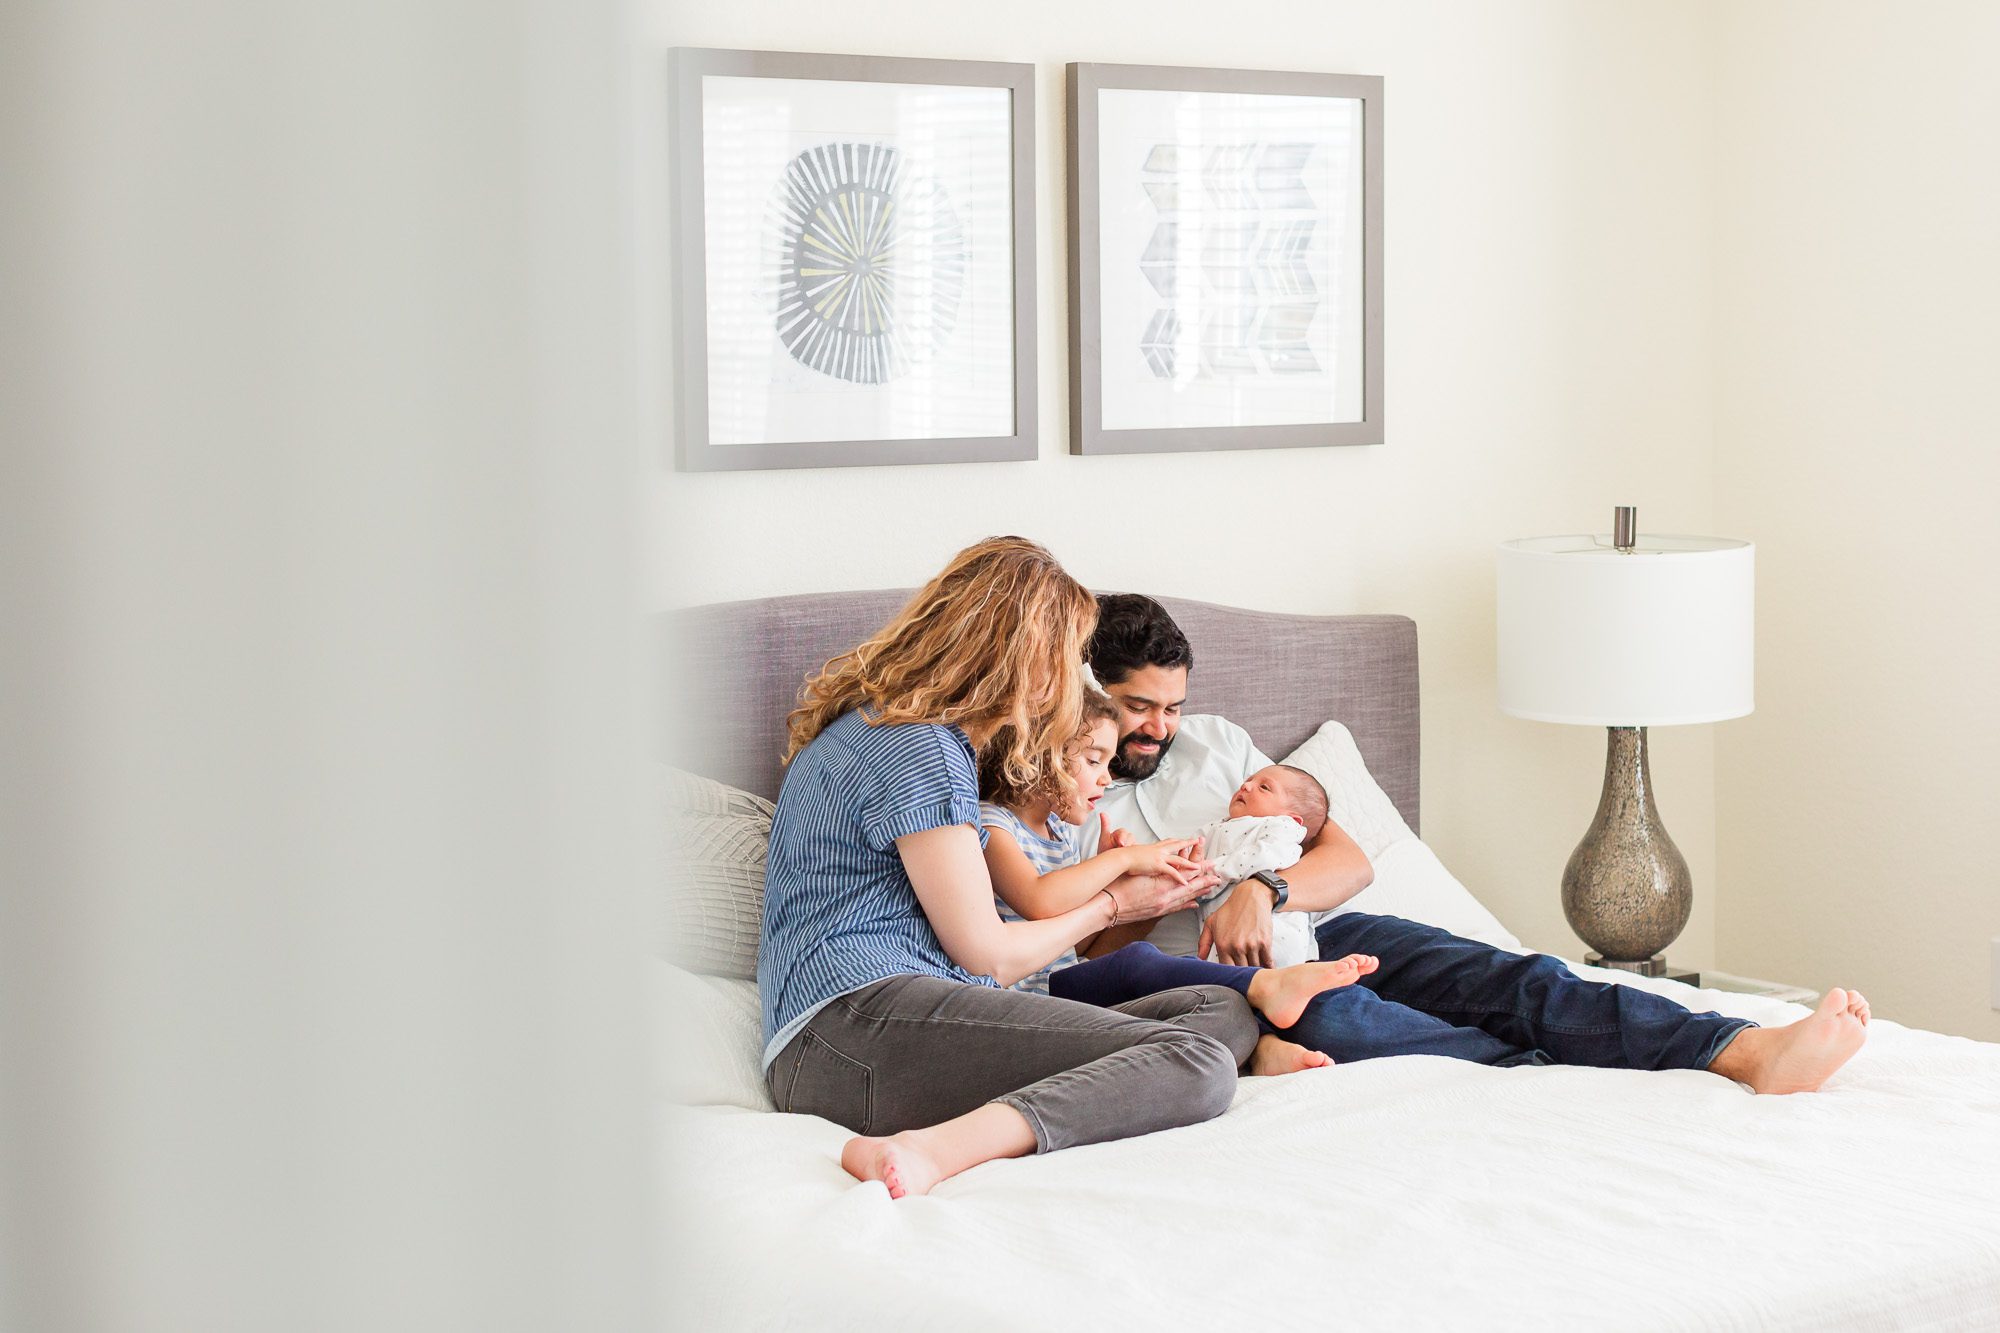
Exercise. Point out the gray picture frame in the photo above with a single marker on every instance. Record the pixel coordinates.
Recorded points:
(1087, 433)
(689, 66)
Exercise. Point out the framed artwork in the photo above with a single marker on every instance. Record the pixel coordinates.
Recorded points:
(1225, 251)
(854, 260)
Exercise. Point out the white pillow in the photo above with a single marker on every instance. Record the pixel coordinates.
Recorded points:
(707, 1032)
(1410, 881)
(711, 906)
(1355, 800)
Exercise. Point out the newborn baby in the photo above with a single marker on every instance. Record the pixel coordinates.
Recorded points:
(1272, 816)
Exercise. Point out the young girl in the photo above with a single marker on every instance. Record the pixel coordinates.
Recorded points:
(1038, 871)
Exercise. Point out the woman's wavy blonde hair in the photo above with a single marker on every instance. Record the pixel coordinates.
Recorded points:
(994, 643)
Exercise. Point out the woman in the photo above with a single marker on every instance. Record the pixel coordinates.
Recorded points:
(883, 956)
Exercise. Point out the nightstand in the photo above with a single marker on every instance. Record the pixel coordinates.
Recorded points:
(1770, 990)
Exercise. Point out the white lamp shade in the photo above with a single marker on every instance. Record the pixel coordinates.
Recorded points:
(1661, 635)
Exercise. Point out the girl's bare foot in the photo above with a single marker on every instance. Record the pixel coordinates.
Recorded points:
(899, 1162)
(1275, 1055)
(1803, 1055)
(1281, 994)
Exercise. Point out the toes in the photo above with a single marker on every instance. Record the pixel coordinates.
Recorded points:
(1834, 1001)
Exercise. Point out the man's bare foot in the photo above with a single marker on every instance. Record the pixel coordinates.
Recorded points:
(1281, 994)
(1275, 1055)
(1800, 1056)
(899, 1162)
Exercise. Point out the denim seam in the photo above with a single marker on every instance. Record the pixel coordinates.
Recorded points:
(791, 1088)
(1566, 1030)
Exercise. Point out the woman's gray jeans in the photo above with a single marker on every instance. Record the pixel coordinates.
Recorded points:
(909, 1052)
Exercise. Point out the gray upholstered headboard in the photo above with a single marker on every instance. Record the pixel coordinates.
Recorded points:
(739, 666)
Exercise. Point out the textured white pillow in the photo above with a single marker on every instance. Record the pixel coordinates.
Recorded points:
(1410, 881)
(711, 906)
(707, 1031)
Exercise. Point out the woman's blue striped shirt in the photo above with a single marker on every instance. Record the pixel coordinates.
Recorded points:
(839, 910)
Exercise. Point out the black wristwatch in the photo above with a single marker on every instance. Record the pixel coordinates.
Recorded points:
(1282, 891)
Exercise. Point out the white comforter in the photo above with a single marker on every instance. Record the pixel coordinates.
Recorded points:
(1412, 1194)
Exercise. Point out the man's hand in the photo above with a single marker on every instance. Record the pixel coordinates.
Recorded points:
(1240, 929)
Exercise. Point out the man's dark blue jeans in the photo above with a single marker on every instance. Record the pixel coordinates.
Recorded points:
(1436, 994)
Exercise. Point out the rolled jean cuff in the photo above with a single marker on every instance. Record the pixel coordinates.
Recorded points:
(1719, 1040)
(1035, 1126)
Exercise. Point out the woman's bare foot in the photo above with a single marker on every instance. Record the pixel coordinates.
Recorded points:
(899, 1162)
(1800, 1056)
(1275, 1055)
(913, 1161)
(1281, 994)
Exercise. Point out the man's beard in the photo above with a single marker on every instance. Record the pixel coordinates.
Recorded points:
(1138, 767)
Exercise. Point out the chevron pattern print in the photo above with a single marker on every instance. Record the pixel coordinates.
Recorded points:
(1231, 258)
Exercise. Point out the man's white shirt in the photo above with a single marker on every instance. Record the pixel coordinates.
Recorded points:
(1209, 759)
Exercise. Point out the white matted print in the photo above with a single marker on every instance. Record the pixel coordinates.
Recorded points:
(859, 256)
(1226, 240)
(1231, 239)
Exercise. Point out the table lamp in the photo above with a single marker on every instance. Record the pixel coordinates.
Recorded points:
(1626, 632)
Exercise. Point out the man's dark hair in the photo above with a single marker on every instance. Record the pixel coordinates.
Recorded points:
(1134, 631)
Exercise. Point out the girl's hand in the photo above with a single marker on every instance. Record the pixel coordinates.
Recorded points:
(1109, 837)
(1175, 856)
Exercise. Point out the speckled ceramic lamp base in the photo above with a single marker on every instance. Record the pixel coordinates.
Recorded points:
(1626, 890)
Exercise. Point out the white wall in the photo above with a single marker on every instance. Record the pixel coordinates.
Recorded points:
(318, 1001)
(1549, 356)
(1858, 438)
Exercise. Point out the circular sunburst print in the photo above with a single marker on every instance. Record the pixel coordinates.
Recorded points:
(872, 262)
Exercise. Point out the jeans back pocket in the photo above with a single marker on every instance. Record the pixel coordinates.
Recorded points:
(827, 1084)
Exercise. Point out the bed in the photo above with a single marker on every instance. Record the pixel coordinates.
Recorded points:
(1413, 1192)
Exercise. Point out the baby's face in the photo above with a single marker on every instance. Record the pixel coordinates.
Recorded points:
(1090, 769)
(1263, 793)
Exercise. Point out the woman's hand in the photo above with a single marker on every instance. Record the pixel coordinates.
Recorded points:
(1143, 897)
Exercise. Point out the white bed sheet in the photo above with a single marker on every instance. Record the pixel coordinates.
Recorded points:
(1413, 1193)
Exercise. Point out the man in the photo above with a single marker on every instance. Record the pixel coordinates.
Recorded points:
(1433, 993)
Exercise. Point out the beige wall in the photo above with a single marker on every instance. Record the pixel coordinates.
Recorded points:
(1858, 280)
(1548, 356)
